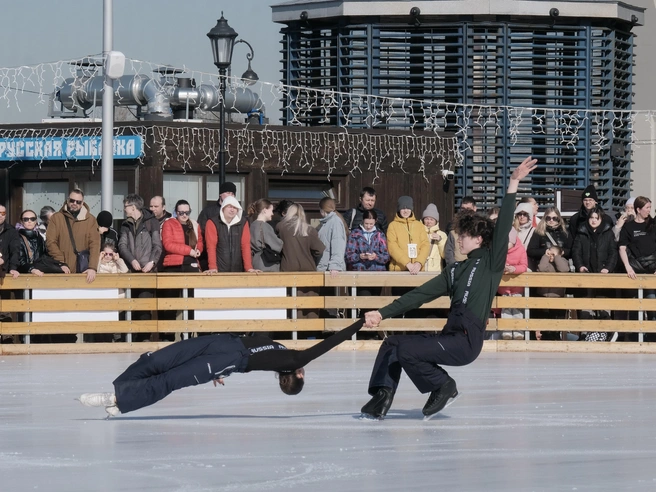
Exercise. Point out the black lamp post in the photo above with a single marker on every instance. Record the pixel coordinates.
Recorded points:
(222, 37)
(249, 76)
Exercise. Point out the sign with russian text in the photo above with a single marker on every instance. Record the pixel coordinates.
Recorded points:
(67, 148)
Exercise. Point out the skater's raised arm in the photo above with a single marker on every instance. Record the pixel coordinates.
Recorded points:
(499, 246)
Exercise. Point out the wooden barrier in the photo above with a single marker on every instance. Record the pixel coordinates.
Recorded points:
(172, 294)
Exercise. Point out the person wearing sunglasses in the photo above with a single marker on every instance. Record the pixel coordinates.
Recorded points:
(551, 244)
(34, 256)
(524, 224)
(83, 235)
(9, 246)
(182, 241)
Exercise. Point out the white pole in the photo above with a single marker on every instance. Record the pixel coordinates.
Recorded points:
(107, 177)
(652, 167)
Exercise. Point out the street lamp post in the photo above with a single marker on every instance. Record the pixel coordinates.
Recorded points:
(222, 37)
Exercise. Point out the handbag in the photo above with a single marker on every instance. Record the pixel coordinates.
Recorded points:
(269, 256)
(643, 264)
(81, 257)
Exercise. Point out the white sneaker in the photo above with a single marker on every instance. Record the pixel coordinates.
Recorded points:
(112, 411)
(506, 335)
(518, 335)
(98, 399)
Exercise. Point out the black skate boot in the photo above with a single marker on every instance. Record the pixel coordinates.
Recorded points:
(440, 398)
(380, 403)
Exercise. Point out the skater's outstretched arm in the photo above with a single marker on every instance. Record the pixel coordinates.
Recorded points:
(290, 360)
(499, 246)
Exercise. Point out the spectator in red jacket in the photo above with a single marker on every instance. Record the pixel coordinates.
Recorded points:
(182, 241)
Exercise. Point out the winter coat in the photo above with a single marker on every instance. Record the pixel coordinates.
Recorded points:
(360, 241)
(176, 250)
(110, 236)
(580, 218)
(436, 254)
(141, 241)
(229, 245)
(489, 264)
(9, 247)
(525, 234)
(117, 266)
(299, 253)
(517, 258)
(333, 235)
(85, 233)
(539, 245)
(402, 232)
(451, 249)
(595, 250)
(353, 218)
(209, 212)
(37, 250)
(262, 234)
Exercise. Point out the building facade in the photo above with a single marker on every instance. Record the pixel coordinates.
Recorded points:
(511, 78)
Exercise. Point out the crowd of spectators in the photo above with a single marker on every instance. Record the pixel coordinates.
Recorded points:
(264, 238)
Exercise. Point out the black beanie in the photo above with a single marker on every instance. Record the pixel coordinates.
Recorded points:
(228, 187)
(590, 192)
(104, 219)
(405, 202)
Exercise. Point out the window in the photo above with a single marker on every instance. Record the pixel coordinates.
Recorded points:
(306, 190)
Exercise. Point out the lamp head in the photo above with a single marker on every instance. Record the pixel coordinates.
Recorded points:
(222, 37)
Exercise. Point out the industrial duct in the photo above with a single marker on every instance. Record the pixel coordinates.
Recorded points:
(164, 99)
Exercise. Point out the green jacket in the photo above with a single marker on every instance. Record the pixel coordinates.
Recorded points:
(486, 278)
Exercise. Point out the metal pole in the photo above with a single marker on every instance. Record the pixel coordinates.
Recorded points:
(222, 130)
(107, 176)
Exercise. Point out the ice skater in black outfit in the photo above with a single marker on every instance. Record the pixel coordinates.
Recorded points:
(211, 358)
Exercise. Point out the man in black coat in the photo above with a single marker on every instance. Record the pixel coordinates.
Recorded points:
(9, 245)
(9, 253)
(353, 217)
(589, 201)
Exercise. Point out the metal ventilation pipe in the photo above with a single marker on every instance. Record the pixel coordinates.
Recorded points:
(161, 98)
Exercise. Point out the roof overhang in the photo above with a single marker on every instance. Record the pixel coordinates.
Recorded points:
(326, 9)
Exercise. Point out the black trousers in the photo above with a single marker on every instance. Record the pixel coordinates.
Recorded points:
(420, 356)
(186, 363)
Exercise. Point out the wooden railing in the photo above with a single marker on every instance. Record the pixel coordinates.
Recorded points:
(174, 305)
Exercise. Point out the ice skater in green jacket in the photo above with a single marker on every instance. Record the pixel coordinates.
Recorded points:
(472, 285)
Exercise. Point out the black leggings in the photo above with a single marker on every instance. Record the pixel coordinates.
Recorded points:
(187, 363)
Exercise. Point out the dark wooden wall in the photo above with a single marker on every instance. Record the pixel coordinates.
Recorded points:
(390, 183)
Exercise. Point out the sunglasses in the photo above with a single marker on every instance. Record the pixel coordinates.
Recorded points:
(108, 254)
(72, 200)
(552, 218)
(28, 219)
(520, 214)
(184, 212)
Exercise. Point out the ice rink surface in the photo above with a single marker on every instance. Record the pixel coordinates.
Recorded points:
(524, 422)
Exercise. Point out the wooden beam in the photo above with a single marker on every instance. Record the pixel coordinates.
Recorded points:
(229, 303)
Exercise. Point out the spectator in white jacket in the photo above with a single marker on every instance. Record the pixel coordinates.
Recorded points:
(333, 233)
